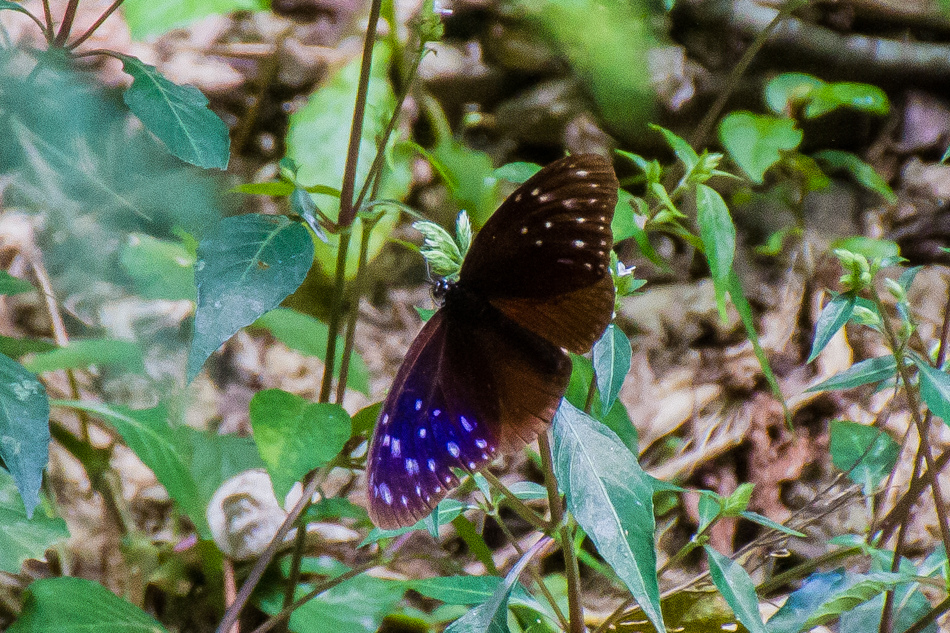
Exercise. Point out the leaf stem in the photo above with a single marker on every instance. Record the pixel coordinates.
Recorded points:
(705, 126)
(67, 24)
(95, 25)
(366, 228)
(517, 505)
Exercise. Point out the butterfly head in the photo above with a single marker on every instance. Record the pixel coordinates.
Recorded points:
(442, 288)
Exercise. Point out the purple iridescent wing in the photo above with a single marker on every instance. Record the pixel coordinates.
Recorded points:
(465, 392)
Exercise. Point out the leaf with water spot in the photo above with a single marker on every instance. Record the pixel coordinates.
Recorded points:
(24, 429)
(611, 499)
(246, 266)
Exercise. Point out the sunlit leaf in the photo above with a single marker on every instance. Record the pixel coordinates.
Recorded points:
(737, 588)
(866, 453)
(611, 499)
(294, 436)
(756, 142)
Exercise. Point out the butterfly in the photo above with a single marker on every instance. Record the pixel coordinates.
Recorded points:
(486, 373)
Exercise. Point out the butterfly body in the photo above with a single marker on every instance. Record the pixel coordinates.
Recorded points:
(487, 372)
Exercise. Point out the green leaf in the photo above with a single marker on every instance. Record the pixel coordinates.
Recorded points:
(786, 91)
(770, 524)
(464, 590)
(756, 141)
(357, 605)
(24, 429)
(683, 150)
(934, 389)
(737, 588)
(307, 335)
(611, 499)
(865, 372)
(23, 537)
(68, 605)
(624, 224)
(517, 172)
(862, 172)
(719, 240)
(154, 18)
(856, 96)
(246, 266)
(748, 321)
(84, 353)
(277, 189)
(617, 419)
(611, 363)
(833, 316)
(178, 115)
(804, 601)
(13, 6)
(866, 587)
(147, 434)
(294, 436)
(870, 247)
(160, 269)
(318, 143)
(17, 347)
(866, 453)
(10, 285)
(492, 615)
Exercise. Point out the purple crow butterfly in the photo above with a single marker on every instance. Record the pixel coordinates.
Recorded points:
(488, 370)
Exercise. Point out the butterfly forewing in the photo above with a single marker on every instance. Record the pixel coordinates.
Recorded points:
(543, 258)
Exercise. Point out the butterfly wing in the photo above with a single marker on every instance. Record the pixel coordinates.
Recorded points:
(466, 390)
(543, 258)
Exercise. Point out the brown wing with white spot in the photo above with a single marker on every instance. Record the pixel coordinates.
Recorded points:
(543, 258)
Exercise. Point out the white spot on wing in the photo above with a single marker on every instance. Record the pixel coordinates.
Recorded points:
(395, 449)
(581, 173)
(535, 191)
(578, 243)
(387, 439)
(418, 405)
(385, 419)
(547, 225)
(453, 448)
(468, 426)
(422, 432)
(386, 494)
(431, 464)
(471, 465)
(412, 467)
(524, 230)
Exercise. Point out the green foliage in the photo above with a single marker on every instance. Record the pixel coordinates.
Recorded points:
(294, 436)
(756, 142)
(443, 253)
(189, 464)
(154, 18)
(160, 269)
(611, 365)
(322, 125)
(737, 588)
(866, 453)
(74, 604)
(10, 285)
(245, 267)
(24, 429)
(24, 537)
(790, 93)
(86, 353)
(609, 497)
(178, 115)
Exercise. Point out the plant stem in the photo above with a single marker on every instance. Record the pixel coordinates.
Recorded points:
(705, 127)
(336, 310)
(571, 569)
(95, 25)
(517, 505)
(347, 210)
(67, 24)
(367, 226)
(914, 405)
